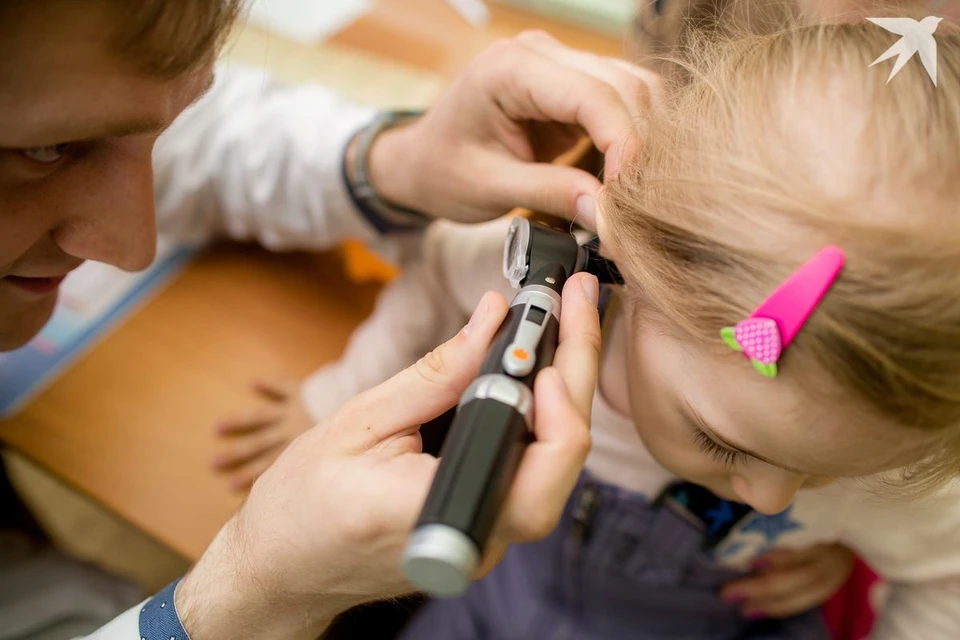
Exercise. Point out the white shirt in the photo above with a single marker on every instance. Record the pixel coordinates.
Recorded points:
(258, 161)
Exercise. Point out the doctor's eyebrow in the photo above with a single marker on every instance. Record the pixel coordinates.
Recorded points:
(137, 126)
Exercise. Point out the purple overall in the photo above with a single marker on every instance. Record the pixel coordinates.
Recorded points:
(628, 571)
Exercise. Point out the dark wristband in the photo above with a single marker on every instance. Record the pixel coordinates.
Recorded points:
(384, 216)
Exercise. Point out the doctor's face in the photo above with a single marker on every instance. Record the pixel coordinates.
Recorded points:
(77, 128)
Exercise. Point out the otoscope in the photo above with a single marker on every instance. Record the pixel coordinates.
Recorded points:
(494, 418)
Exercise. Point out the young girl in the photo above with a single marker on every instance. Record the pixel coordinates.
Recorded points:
(778, 149)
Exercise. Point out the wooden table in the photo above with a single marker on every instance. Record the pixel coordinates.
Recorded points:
(130, 424)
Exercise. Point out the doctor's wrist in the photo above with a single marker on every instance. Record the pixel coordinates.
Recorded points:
(391, 169)
(227, 595)
(380, 177)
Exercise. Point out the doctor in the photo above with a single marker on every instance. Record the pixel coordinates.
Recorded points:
(89, 86)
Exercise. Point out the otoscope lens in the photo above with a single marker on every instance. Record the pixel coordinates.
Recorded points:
(515, 251)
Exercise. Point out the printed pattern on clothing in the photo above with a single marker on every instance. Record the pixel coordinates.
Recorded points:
(159, 619)
(717, 516)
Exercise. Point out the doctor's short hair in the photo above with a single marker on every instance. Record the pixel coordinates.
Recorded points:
(169, 37)
(161, 38)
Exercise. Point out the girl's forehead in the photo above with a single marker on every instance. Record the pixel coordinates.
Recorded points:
(721, 382)
(779, 421)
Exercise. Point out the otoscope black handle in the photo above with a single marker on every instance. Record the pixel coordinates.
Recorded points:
(492, 427)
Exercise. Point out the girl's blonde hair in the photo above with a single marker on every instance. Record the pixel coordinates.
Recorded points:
(770, 147)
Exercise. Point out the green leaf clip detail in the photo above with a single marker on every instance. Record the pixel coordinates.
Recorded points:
(767, 370)
(729, 336)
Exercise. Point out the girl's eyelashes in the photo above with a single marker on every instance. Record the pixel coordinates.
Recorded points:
(727, 457)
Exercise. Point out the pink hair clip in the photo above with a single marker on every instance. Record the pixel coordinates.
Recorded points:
(771, 328)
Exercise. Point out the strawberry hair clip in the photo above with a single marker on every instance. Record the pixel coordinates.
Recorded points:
(770, 329)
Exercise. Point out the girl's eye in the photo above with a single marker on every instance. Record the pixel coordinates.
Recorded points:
(728, 457)
(46, 155)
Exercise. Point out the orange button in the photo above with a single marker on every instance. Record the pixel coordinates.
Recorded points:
(521, 354)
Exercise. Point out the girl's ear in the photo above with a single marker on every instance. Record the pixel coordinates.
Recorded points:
(601, 197)
(608, 246)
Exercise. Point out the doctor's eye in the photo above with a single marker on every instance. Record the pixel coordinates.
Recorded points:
(49, 154)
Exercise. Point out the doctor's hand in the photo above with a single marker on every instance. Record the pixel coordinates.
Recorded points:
(323, 529)
(485, 146)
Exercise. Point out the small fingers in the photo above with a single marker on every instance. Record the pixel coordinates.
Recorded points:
(277, 389)
(249, 421)
(243, 449)
(243, 478)
(786, 591)
(791, 603)
(784, 557)
(756, 596)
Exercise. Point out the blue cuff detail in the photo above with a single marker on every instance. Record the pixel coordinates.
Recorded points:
(159, 619)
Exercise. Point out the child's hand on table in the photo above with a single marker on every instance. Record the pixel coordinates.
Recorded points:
(253, 440)
(788, 582)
